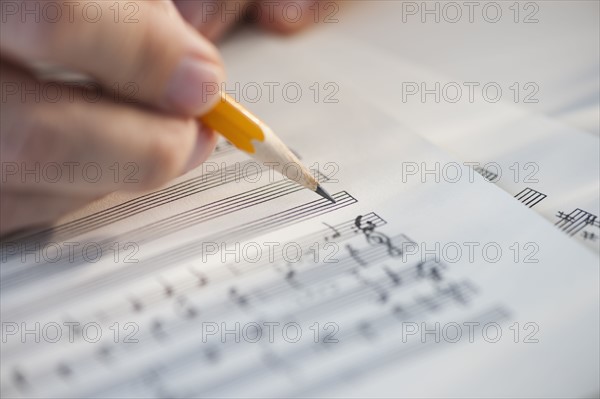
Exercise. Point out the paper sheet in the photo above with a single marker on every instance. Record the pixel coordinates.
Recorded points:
(548, 166)
(420, 287)
(553, 44)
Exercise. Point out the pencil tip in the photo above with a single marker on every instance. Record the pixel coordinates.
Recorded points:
(324, 194)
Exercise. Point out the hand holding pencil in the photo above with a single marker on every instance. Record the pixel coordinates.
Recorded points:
(136, 127)
(251, 135)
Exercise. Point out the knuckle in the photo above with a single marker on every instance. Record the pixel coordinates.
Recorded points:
(169, 152)
(149, 45)
(38, 39)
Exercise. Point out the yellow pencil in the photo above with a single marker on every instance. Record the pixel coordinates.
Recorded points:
(249, 134)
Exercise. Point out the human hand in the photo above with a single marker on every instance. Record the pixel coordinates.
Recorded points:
(51, 134)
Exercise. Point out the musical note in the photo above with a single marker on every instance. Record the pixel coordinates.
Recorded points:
(375, 237)
(382, 293)
(370, 226)
(290, 277)
(589, 236)
(76, 327)
(182, 305)
(64, 370)
(168, 288)
(429, 302)
(202, 280)
(105, 353)
(366, 329)
(398, 311)
(457, 293)
(241, 300)
(157, 330)
(383, 296)
(429, 269)
(395, 277)
(136, 304)
(354, 254)
(19, 379)
(212, 354)
(336, 233)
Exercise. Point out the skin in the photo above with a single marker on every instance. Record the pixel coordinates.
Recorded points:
(150, 137)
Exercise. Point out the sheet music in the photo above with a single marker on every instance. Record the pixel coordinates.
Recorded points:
(548, 166)
(341, 293)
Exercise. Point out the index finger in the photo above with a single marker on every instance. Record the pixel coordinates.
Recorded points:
(118, 43)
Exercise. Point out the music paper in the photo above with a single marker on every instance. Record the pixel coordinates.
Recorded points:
(234, 282)
(550, 167)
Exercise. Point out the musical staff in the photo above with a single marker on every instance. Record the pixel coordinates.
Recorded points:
(157, 230)
(138, 205)
(181, 254)
(349, 288)
(487, 174)
(378, 360)
(530, 197)
(575, 221)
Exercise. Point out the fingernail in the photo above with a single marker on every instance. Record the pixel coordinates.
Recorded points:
(194, 86)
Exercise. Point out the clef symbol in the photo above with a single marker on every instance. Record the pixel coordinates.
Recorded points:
(375, 237)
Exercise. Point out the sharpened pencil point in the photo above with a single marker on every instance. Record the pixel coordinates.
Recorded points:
(324, 194)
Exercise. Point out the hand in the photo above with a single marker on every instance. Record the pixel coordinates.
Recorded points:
(214, 18)
(62, 146)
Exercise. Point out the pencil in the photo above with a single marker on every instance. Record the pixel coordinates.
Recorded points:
(251, 135)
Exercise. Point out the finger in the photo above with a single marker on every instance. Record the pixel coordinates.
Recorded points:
(204, 147)
(288, 16)
(89, 145)
(119, 43)
(212, 18)
(21, 210)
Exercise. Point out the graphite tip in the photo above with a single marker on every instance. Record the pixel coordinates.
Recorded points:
(324, 194)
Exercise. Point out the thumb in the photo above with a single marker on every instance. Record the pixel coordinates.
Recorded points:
(144, 49)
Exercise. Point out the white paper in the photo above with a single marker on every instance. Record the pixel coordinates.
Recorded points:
(175, 294)
(550, 167)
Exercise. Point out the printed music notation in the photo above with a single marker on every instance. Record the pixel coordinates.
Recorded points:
(177, 255)
(487, 174)
(25, 274)
(369, 274)
(142, 203)
(530, 197)
(361, 299)
(367, 227)
(402, 353)
(215, 276)
(576, 221)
